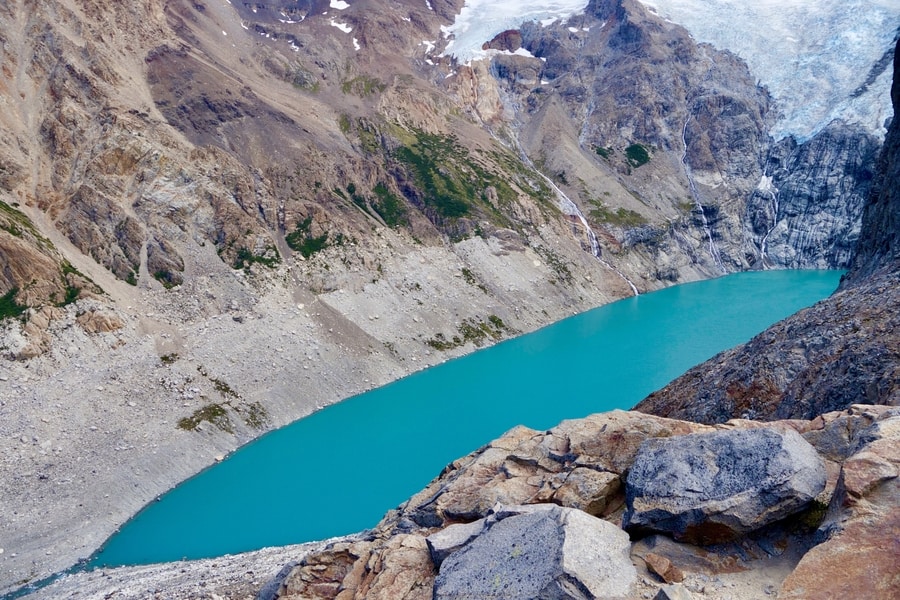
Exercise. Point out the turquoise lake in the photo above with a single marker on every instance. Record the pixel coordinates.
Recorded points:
(339, 470)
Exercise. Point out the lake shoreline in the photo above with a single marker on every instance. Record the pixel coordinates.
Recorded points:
(120, 493)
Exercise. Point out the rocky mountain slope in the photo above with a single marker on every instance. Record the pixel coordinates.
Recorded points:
(216, 217)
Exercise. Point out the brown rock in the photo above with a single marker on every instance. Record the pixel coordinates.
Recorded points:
(663, 567)
(588, 490)
(96, 321)
(862, 559)
(398, 568)
(510, 40)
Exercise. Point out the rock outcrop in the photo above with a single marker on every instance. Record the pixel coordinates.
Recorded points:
(465, 547)
(708, 488)
(648, 103)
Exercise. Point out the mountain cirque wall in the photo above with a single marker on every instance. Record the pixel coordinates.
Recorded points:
(685, 129)
(842, 351)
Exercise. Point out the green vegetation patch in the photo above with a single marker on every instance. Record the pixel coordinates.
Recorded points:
(389, 207)
(471, 330)
(246, 257)
(606, 152)
(469, 277)
(637, 155)
(446, 186)
(302, 241)
(169, 279)
(257, 416)
(9, 308)
(344, 123)
(215, 414)
(451, 181)
(620, 217)
(363, 86)
(17, 224)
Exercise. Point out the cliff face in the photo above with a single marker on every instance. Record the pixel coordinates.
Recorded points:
(879, 247)
(842, 351)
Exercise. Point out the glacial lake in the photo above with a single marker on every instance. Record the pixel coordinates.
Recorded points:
(339, 470)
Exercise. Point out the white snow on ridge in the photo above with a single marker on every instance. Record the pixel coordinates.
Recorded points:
(339, 5)
(481, 20)
(811, 54)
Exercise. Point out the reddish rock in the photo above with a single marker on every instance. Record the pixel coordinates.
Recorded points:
(663, 567)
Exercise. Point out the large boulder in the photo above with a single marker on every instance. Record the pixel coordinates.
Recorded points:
(861, 557)
(539, 551)
(708, 488)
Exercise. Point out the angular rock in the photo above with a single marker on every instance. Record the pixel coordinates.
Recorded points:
(96, 321)
(673, 592)
(861, 556)
(577, 464)
(547, 552)
(663, 567)
(450, 539)
(396, 569)
(710, 488)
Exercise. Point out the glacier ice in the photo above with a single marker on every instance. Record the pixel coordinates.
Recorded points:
(480, 20)
(814, 56)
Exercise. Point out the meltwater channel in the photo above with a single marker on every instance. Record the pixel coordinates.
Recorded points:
(339, 470)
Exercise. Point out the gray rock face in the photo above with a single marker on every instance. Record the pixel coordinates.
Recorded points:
(806, 212)
(710, 488)
(545, 552)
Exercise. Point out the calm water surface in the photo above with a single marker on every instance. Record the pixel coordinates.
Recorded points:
(339, 470)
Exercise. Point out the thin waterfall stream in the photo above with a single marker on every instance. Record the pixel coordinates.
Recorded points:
(570, 209)
(713, 250)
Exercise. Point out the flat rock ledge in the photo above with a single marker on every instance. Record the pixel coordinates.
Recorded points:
(708, 488)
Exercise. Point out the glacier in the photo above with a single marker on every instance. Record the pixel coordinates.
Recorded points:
(480, 20)
(816, 57)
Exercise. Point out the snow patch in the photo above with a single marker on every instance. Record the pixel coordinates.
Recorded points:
(481, 20)
(814, 57)
(338, 4)
(765, 184)
(356, 45)
(342, 26)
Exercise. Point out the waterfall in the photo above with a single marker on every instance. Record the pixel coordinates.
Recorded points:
(569, 208)
(767, 187)
(713, 250)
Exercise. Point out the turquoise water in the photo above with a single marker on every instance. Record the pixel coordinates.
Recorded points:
(339, 470)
